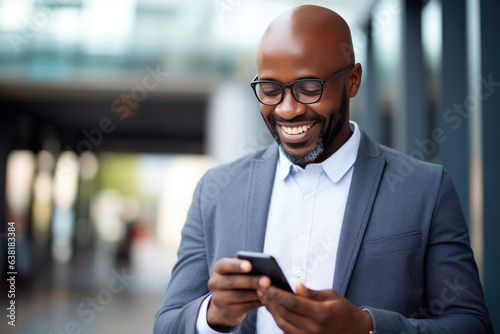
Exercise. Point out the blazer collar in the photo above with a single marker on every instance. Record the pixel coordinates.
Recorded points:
(259, 190)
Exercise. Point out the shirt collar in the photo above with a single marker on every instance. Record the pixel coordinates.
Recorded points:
(336, 166)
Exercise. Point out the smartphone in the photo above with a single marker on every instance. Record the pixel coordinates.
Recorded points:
(264, 264)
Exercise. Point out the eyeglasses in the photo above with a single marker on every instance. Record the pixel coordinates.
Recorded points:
(305, 91)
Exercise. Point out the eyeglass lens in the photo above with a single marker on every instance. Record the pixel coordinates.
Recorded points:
(305, 91)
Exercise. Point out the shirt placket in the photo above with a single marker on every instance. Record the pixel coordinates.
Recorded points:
(307, 183)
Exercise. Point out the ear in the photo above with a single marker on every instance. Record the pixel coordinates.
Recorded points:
(354, 80)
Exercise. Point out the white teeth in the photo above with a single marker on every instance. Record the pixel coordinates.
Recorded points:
(296, 130)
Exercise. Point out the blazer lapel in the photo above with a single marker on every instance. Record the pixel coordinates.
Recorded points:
(364, 185)
(259, 190)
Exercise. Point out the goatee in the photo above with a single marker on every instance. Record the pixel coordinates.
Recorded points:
(324, 138)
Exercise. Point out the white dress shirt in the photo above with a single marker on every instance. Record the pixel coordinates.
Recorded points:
(304, 221)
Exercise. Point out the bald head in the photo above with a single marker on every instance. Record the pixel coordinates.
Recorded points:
(312, 28)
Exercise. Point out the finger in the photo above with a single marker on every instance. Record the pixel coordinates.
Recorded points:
(232, 266)
(319, 295)
(290, 322)
(233, 282)
(293, 303)
(264, 282)
(231, 297)
(231, 314)
(244, 308)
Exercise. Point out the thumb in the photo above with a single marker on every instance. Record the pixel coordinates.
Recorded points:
(304, 291)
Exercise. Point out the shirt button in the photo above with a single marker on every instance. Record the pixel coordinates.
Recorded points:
(302, 238)
(307, 198)
(298, 273)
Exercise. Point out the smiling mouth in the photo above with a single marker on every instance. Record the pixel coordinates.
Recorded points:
(297, 129)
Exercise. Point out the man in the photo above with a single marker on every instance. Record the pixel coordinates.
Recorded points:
(364, 254)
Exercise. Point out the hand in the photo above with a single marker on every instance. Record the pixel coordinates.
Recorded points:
(314, 311)
(233, 293)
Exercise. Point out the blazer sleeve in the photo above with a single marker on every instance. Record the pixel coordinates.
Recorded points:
(188, 285)
(453, 293)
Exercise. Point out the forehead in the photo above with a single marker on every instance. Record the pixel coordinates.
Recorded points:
(291, 55)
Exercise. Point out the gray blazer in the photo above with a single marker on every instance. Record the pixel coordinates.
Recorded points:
(404, 246)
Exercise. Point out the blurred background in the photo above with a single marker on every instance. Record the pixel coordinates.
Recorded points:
(110, 112)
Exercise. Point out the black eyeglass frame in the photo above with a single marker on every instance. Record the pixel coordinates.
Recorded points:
(283, 87)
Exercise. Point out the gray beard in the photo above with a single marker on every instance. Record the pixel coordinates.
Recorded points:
(310, 156)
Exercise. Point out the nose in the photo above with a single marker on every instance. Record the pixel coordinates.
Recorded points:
(289, 107)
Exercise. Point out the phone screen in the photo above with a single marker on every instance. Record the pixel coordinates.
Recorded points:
(264, 264)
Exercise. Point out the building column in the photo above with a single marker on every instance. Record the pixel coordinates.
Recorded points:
(454, 150)
(489, 82)
(372, 117)
(414, 120)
